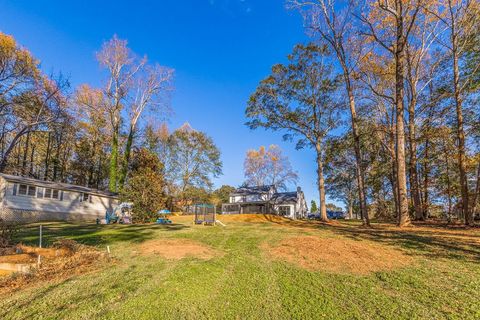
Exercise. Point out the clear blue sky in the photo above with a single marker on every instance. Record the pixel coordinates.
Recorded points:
(220, 50)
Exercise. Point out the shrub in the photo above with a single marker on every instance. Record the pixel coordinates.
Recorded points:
(145, 186)
(8, 230)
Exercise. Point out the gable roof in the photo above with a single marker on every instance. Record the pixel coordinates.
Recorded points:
(252, 190)
(57, 185)
(285, 197)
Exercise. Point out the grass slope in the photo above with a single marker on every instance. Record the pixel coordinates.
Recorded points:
(243, 283)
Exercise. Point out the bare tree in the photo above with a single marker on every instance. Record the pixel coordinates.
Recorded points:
(334, 26)
(255, 167)
(394, 39)
(301, 98)
(455, 16)
(122, 66)
(29, 100)
(418, 77)
(150, 86)
(269, 167)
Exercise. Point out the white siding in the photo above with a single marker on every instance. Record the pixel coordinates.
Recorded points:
(3, 185)
(70, 207)
(301, 206)
(292, 209)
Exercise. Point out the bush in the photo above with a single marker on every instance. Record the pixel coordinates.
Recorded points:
(8, 230)
(145, 186)
(66, 244)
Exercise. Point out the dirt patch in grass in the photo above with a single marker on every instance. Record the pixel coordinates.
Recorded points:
(334, 255)
(176, 249)
(66, 259)
(30, 254)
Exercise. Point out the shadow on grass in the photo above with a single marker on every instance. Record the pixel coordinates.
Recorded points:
(92, 234)
(435, 241)
(428, 243)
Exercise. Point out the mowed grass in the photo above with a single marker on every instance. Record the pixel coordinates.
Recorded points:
(244, 282)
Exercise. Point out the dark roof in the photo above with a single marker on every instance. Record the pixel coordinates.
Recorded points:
(284, 197)
(57, 185)
(252, 190)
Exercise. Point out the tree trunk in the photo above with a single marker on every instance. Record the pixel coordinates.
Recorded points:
(47, 157)
(403, 219)
(321, 184)
(393, 179)
(358, 153)
(25, 154)
(128, 148)
(460, 133)
(393, 182)
(32, 157)
(414, 187)
(56, 163)
(449, 192)
(13, 144)
(426, 180)
(477, 193)
(112, 183)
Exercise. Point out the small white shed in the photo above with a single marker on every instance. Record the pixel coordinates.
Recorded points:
(28, 200)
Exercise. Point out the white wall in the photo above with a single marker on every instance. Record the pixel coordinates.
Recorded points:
(69, 208)
(301, 205)
(292, 209)
(3, 185)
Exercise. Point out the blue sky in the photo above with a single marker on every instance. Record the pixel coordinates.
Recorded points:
(220, 50)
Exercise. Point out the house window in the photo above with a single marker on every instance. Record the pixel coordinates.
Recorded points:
(51, 193)
(26, 190)
(22, 189)
(47, 193)
(84, 197)
(284, 210)
(32, 191)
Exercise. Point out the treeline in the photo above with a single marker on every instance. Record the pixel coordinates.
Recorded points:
(111, 137)
(400, 80)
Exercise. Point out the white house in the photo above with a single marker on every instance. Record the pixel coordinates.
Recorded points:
(266, 199)
(27, 200)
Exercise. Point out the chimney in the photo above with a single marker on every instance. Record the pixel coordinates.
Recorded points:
(299, 189)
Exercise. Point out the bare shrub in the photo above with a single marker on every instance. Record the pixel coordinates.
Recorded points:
(8, 230)
(66, 244)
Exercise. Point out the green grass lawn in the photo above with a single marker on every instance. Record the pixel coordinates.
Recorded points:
(243, 283)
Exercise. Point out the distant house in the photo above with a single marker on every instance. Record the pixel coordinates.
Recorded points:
(27, 200)
(266, 199)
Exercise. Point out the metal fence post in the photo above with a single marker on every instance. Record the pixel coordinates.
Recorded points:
(40, 238)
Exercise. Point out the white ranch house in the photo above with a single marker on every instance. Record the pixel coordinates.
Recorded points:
(27, 200)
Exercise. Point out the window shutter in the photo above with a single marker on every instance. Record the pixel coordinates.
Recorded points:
(14, 189)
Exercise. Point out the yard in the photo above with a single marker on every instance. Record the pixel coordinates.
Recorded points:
(259, 268)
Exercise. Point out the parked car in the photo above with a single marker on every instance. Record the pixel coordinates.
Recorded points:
(330, 215)
(313, 216)
(335, 214)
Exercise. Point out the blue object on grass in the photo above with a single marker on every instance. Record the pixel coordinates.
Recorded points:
(163, 221)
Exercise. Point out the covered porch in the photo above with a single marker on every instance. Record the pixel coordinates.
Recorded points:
(247, 207)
